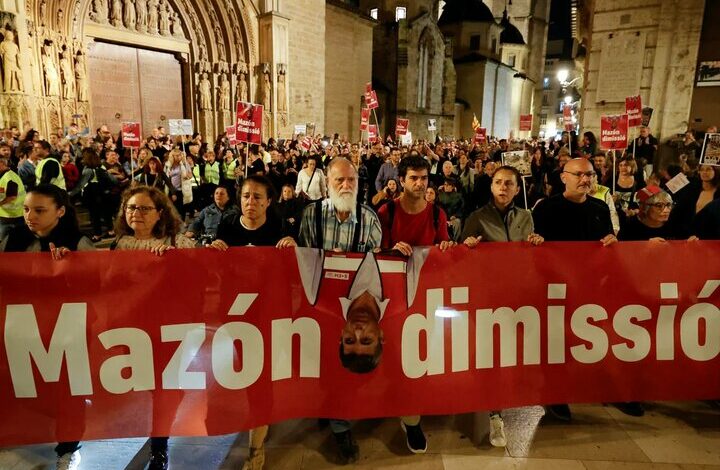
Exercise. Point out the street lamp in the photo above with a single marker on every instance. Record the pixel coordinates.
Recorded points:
(563, 75)
(568, 99)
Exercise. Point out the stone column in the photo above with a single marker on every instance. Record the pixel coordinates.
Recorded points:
(274, 27)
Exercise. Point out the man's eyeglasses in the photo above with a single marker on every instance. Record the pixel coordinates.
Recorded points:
(143, 209)
(580, 174)
(662, 205)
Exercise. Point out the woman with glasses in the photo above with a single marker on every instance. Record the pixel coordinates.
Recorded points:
(651, 222)
(148, 221)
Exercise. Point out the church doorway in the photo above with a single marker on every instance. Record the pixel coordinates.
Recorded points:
(135, 84)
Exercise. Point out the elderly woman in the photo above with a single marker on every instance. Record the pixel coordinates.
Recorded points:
(651, 222)
(148, 221)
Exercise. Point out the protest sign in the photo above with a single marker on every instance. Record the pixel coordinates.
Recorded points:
(371, 101)
(248, 126)
(677, 183)
(364, 118)
(230, 134)
(99, 355)
(300, 129)
(401, 126)
(526, 122)
(520, 160)
(633, 108)
(131, 135)
(567, 118)
(614, 132)
(406, 139)
(432, 125)
(480, 135)
(180, 126)
(306, 143)
(647, 113)
(711, 150)
(372, 133)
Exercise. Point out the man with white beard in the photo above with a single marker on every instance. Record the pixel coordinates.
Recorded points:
(339, 223)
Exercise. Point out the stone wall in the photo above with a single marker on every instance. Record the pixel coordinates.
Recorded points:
(348, 67)
(672, 35)
(705, 110)
(306, 67)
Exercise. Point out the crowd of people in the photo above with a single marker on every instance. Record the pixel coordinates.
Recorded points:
(182, 193)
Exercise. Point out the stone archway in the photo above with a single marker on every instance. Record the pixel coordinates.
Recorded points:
(215, 42)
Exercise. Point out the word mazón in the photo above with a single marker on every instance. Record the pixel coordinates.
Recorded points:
(423, 342)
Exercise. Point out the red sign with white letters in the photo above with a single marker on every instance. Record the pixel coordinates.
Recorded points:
(633, 108)
(131, 135)
(248, 126)
(614, 132)
(401, 126)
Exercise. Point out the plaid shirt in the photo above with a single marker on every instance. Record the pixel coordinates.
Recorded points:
(339, 235)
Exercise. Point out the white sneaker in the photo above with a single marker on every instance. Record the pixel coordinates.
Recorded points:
(497, 431)
(69, 461)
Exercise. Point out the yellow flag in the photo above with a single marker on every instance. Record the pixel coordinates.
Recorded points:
(475, 123)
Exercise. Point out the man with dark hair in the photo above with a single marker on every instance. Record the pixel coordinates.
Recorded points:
(409, 220)
(48, 170)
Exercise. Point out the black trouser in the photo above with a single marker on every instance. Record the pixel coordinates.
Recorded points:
(158, 444)
(66, 447)
(93, 201)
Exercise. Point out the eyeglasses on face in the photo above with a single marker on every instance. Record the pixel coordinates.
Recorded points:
(662, 205)
(580, 174)
(143, 209)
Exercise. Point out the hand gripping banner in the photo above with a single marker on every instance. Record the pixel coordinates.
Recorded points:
(198, 342)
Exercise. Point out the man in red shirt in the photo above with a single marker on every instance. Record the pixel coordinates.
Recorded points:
(410, 220)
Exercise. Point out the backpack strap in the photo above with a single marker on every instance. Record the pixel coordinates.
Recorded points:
(318, 225)
(358, 228)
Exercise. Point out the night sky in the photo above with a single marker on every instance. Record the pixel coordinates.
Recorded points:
(560, 22)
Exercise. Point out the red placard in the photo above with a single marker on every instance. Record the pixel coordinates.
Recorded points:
(114, 349)
(526, 122)
(230, 134)
(372, 133)
(401, 126)
(567, 118)
(364, 118)
(248, 126)
(633, 108)
(306, 143)
(368, 87)
(371, 100)
(614, 132)
(131, 135)
(480, 135)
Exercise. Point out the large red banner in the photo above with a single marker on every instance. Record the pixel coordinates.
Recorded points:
(614, 132)
(633, 108)
(248, 126)
(198, 342)
(131, 135)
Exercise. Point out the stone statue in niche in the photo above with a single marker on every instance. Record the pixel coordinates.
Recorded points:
(224, 93)
(205, 92)
(10, 54)
(153, 16)
(220, 43)
(242, 88)
(81, 78)
(177, 27)
(203, 63)
(116, 16)
(130, 17)
(239, 42)
(67, 75)
(43, 12)
(99, 13)
(60, 18)
(142, 15)
(165, 12)
(267, 89)
(52, 79)
(281, 89)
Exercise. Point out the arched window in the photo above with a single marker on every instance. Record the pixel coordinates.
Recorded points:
(425, 58)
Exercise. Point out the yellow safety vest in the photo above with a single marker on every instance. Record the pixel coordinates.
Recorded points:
(15, 208)
(58, 181)
(212, 172)
(196, 176)
(230, 170)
